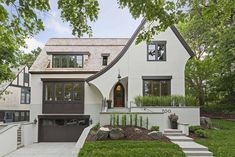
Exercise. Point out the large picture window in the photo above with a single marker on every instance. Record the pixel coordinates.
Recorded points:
(156, 87)
(156, 51)
(62, 91)
(62, 96)
(67, 61)
(25, 96)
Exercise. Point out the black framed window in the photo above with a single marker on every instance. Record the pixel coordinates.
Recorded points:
(105, 60)
(62, 91)
(156, 87)
(67, 61)
(25, 96)
(156, 51)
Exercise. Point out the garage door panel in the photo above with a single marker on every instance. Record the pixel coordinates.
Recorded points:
(61, 129)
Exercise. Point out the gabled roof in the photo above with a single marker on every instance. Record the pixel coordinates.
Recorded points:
(16, 71)
(131, 40)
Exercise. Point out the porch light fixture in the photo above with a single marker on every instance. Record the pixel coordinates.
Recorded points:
(35, 121)
(119, 76)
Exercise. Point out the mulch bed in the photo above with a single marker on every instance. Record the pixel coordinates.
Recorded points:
(130, 134)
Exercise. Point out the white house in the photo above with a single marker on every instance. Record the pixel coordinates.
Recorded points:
(15, 97)
(73, 78)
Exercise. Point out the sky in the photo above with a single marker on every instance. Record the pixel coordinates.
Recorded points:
(112, 22)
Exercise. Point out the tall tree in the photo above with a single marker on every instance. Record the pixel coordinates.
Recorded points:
(29, 58)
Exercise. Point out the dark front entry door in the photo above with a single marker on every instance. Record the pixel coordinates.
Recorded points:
(119, 95)
(61, 128)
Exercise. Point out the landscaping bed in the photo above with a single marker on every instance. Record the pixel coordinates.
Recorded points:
(128, 148)
(130, 133)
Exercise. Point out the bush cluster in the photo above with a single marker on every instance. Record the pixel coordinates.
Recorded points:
(154, 128)
(165, 101)
(198, 130)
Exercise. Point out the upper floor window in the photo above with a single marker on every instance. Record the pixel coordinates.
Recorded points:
(25, 96)
(156, 51)
(67, 61)
(105, 60)
(156, 86)
(63, 91)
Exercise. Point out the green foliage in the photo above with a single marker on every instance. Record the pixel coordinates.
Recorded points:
(130, 149)
(165, 101)
(154, 128)
(114, 120)
(194, 128)
(124, 120)
(136, 119)
(117, 120)
(131, 119)
(79, 14)
(221, 140)
(201, 133)
(147, 122)
(218, 108)
(29, 58)
(111, 120)
(141, 121)
(96, 127)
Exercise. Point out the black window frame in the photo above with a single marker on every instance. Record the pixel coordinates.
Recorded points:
(159, 79)
(62, 106)
(25, 91)
(104, 60)
(156, 43)
(67, 60)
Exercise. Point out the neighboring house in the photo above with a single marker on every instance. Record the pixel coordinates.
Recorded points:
(15, 97)
(73, 78)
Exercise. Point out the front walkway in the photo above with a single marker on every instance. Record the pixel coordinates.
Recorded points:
(189, 147)
(46, 150)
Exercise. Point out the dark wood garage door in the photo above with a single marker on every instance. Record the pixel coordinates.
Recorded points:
(61, 128)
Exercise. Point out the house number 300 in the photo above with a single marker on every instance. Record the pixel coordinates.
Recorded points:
(166, 110)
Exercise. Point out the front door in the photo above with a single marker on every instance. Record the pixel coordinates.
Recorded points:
(119, 95)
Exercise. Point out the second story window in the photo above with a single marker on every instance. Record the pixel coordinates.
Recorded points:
(105, 60)
(25, 96)
(156, 51)
(67, 61)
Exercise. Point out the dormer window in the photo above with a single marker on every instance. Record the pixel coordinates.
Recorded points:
(156, 51)
(105, 58)
(67, 61)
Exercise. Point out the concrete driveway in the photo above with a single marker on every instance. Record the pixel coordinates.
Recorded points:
(46, 150)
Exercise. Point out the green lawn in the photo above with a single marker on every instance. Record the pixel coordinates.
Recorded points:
(130, 149)
(222, 141)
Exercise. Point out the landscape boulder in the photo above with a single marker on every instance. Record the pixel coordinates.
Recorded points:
(156, 135)
(138, 131)
(205, 122)
(116, 133)
(102, 133)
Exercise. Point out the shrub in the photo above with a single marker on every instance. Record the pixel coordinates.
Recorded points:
(136, 120)
(124, 120)
(114, 120)
(117, 120)
(111, 119)
(173, 117)
(141, 121)
(96, 127)
(218, 108)
(147, 122)
(165, 100)
(154, 128)
(131, 119)
(201, 133)
(194, 128)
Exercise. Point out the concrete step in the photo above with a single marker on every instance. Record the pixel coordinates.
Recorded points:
(190, 146)
(198, 153)
(174, 134)
(180, 138)
(172, 131)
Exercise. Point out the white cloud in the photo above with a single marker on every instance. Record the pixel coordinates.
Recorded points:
(32, 44)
